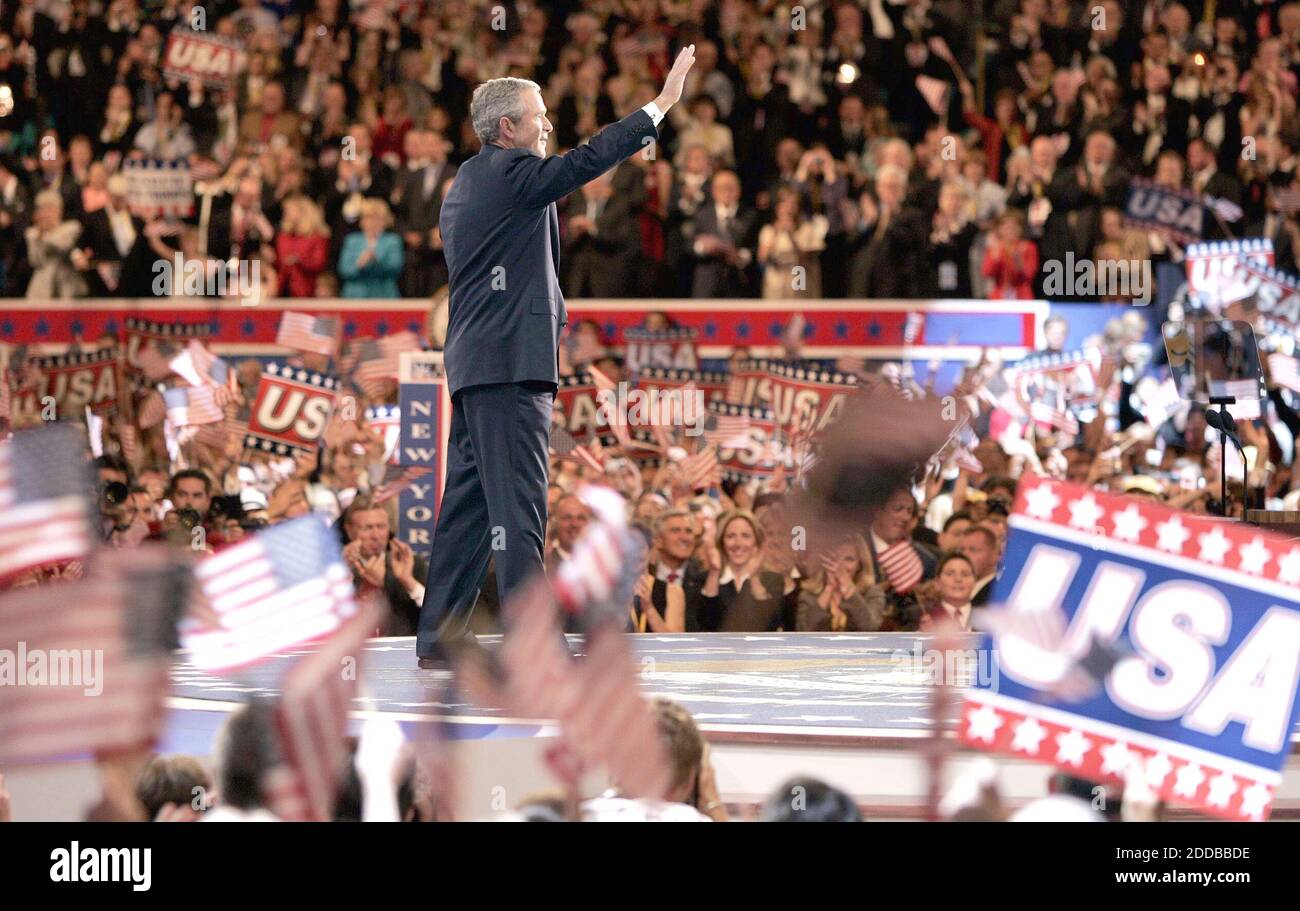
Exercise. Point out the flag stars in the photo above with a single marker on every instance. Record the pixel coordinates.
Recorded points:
(1255, 556)
(1158, 769)
(1172, 535)
(248, 327)
(983, 723)
(1042, 502)
(1029, 736)
(775, 329)
(1214, 546)
(1188, 780)
(841, 329)
(1289, 567)
(1222, 788)
(742, 329)
(1071, 747)
(1255, 799)
(1128, 524)
(710, 329)
(1084, 513)
(1115, 758)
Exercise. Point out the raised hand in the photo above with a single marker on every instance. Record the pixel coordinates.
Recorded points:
(673, 85)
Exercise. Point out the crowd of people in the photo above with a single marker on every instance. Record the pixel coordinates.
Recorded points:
(875, 149)
(869, 150)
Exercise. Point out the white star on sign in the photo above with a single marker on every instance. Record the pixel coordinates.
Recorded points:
(1128, 524)
(1254, 799)
(1188, 780)
(1040, 502)
(1255, 556)
(1029, 734)
(1290, 567)
(1221, 790)
(1085, 512)
(1071, 747)
(1172, 535)
(1214, 546)
(1158, 769)
(1115, 758)
(983, 724)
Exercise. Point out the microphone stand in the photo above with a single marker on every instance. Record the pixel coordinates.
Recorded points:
(1222, 422)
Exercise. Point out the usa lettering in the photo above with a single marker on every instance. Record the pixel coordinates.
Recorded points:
(1174, 628)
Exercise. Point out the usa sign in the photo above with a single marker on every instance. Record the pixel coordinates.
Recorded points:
(290, 411)
(1201, 622)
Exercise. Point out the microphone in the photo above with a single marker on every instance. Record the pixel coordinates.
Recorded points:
(1225, 423)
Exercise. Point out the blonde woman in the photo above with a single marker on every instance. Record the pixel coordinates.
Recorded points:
(842, 593)
(372, 258)
(301, 247)
(792, 242)
(738, 594)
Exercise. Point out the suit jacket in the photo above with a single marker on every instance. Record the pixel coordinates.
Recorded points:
(501, 234)
(602, 264)
(135, 267)
(902, 611)
(732, 611)
(692, 582)
(714, 276)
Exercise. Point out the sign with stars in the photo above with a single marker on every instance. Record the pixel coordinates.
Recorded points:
(1128, 632)
(803, 397)
(290, 410)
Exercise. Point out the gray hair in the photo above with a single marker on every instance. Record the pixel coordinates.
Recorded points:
(495, 99)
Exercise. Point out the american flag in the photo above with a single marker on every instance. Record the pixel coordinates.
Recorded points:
(372, 362)
(967, 461)
(590, 454)
(561, 441)
(282, 587)
(1282, 368)
(318, 334)
(599, 705)
(152, 410)
(193, 405)
(727, 431)
(200, 367)
(1055, 414)
(396, 480)
(605, 383)
(1288, 198)
(107, 640)
(44, 503)
(611, 723)
(312, 717)
(901, 566)
(702, 469)
(155, 359)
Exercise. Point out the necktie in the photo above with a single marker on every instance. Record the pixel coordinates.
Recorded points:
(672, 577)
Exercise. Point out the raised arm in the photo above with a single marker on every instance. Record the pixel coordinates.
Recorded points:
(542, 181)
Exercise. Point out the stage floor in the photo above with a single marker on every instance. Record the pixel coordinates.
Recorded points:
(779, 685)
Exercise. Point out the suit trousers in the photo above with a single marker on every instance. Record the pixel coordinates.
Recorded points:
(493, 504)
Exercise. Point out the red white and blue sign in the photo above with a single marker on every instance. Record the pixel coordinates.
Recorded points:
(1201, 620)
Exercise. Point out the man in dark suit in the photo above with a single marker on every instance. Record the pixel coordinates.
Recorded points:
(725, 235)
(500, 231)
(118, 247)
(980, 546)
(417, 202)
(380, 562)
(891, 530)
(602, 241)
(672, 564)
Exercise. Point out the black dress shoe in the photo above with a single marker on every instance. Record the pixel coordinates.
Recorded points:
(427, 664)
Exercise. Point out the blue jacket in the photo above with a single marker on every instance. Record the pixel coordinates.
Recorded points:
(501, 234)
(377, 278)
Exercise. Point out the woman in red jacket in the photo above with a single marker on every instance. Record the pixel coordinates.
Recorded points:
(301, 247)
(1011, 262)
